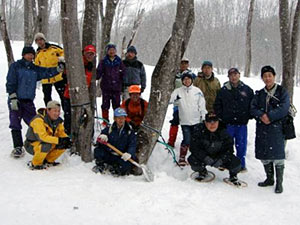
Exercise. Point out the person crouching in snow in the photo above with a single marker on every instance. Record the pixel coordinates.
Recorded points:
(20, 86)
(120, 135)
(211, 145)
(191, 106)
(46, 139)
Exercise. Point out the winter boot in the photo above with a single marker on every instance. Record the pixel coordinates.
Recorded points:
(269, 169)
(173, 135)
(183, 152)
(18, 150)
(279, 178)
(100, 167)
(37, 167)
(105, 115)
(201, 174)
(234, 180)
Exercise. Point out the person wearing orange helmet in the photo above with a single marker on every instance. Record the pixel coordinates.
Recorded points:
(135, 106)
(89, 53)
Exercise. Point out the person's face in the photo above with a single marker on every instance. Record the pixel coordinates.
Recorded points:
(187, 81)
(207, 70)
(269, 79)
(120, 120)
(28, 57)
(184, 65)
(130, 55)
(40, 42)
(212, 126)
(234, 78)
(53, 113)
(111, 52)
(89, 56)
(135, 96)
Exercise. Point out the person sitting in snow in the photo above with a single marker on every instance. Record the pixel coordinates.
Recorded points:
(211, 145)
(20, 86)
(120, 135)
(46, 139)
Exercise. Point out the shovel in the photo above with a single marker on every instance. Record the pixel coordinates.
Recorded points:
(146, 171)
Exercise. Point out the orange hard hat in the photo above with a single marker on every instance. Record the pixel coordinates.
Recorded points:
(134, 89)
(90, 48)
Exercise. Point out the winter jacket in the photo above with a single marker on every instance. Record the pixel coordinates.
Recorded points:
(217, 145)
(22, 77)
(111, 74)
(191, 104)
(124, 139)
(48, 57)
(88, 67)
(269, 140)
(210, 88)
(134, 110)
(43, 129)
(135, 73)
(232, 104)
(178, 81)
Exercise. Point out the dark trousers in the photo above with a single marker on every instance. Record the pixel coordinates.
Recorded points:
(113, 96)
(67, 115)
(175, 120)
(187, 132)
(60, 88)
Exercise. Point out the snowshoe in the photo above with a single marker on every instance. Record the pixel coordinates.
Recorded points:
(234, 181)
(18, 152)
(203, 177)
(38, 167)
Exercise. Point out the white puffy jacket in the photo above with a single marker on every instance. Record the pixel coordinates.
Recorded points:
(191, 104)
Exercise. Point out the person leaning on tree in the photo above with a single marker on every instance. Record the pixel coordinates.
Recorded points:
(46, 139)
(21, 82)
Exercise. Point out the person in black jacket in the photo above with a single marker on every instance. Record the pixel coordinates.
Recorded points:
(232, 106)
(211, 145)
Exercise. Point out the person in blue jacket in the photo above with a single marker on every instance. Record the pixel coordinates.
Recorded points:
(269, 107)
(232, 106)
(120, 135)
(21, 82)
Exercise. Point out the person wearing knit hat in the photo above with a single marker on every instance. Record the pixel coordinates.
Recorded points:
(21, 82)
(111, 70)
(135, 72)
(208, 84)
(50, 55)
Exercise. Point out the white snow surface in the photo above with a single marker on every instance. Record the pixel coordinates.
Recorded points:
(72, 194)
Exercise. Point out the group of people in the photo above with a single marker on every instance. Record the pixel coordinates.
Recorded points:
(212, 119)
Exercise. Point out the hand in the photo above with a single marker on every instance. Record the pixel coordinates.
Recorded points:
(126, 156)
(14, 102)
(64, 142)
(61, 59)
(265, 119)
(60, 67)
(218, 163)
(208, 161)
(102, 138)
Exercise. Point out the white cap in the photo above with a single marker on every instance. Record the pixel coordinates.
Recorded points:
(185, 59)
(39, 36)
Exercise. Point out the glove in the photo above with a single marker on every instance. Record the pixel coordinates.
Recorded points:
(14, 102)
(60, 67)
(208, 161)
(102, 138)
(218, 163)
(126, 156)
(64, 142)
(61, 59)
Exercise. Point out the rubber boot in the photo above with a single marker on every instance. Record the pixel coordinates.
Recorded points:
(173, 135)
(183, 152)
(105, 115)
(279, 178)
(269, 169)
(17, 138)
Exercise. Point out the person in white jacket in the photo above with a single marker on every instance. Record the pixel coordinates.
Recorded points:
(191, 106)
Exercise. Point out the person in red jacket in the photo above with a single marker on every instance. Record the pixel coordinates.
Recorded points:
(89, 53)
(135, 107)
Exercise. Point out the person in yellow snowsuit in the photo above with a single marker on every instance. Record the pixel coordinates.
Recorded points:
(46, 139)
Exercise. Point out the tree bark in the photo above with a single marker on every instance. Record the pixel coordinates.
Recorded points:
(42, 17)
(90, 21)
(287, 76)
(4, 34)
(29, 21)
(248, 40)
(163, 77)
(295, 38)
(82, 116)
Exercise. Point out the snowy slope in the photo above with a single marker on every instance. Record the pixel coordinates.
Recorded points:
(72, 194)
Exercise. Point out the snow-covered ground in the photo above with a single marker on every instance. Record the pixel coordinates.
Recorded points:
(73, 194)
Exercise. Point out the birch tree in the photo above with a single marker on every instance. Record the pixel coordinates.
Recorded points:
(29, 21)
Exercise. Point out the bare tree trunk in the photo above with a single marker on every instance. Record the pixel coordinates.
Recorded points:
(42, 17)
(163, 76)
(248, 40)
(29, 21)
(287, 76)
(295, 38)
(106, 23)
(4, 34)
(82, 116)
(90, 22)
